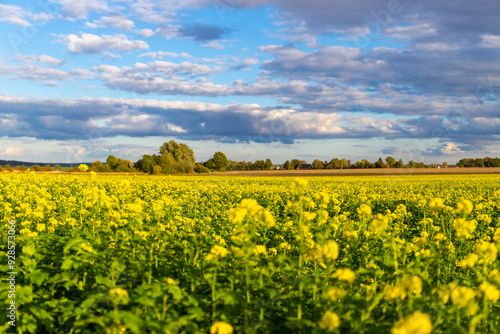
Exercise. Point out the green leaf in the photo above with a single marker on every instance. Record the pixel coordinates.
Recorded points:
(29, 250)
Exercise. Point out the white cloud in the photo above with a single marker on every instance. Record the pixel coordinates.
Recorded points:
(14, 151)
(163, 54)
(146, 33)
(50, 60)
(490, 41)
(14, 14)
(116, 21)
(89, 43)
(79, 9)
(450, 149)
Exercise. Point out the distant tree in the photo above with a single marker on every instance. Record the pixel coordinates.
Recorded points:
(99, 167)
(250, 166)
(412, 164)
(260, 165)
(83, 168)
(296, 163)
(57, 167)
(380, 164)
(287, 165)
(146, 164)
(8, 168)
(218, 162)
(199, 168)
(269, 164)
(181, 153)
(35, 168)
(20, 168)
(1, 168)
(47, 168)
(400, 164)
(390, 161)
(112, 162)
(445, 164)
(363, 164)
(317, 164)
(156, 169)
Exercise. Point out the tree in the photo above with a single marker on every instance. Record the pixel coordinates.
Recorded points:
(380, 164)
(83, 168)
(260, 165)
(287, 165)
(445, 164)
(219, 162)
(296, 163)
(400, 164)
(57, 167)
(8, 168)
(390, 161)
(269, 164)
(412, 164)
(317, 164)
(112, 162)
(181, 153)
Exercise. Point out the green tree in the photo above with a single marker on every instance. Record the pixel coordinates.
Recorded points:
(112, 162)
(390, 161)
(287, 165)
(219, 162)
(400, 164)
(445, 164)
(181, 153)
(269, 164)
(380, 163)
(317, 164)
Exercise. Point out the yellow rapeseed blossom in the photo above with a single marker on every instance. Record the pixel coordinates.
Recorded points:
(379, 224)
(40, 227)
(412, 284)
(490, 291)
(330, 250)
(461, 295)
(329, 321)
(259, 249)
(87, 247)
(345, 274)
(464, 228)
(298, 183)
(487, 252)
(496, 235)
(118, 292)
(394, 292)
(464, 206)
(417, 323)
(469, 261)
(217, 251)
(437, 204)
(220, 327)
(364, 210)
(335, 294)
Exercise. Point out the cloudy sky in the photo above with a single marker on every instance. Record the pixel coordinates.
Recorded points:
(283, 79)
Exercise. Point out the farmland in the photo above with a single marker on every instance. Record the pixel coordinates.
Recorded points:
(213, 254)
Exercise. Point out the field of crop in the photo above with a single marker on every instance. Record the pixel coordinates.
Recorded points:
(220, 255)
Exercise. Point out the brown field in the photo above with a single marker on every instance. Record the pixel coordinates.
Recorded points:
(369, 171)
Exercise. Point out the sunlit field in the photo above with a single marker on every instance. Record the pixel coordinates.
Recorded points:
(160, 254)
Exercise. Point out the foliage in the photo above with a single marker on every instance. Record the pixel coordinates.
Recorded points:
(405, 254)
(83, 168)
(218, 162)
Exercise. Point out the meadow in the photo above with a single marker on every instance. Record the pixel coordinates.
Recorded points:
(410, 254)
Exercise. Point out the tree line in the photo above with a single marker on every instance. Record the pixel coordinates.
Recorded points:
(178, 158)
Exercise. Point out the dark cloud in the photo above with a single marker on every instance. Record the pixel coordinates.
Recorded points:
(203, 33)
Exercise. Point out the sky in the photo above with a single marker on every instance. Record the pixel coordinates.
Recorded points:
(255, 79)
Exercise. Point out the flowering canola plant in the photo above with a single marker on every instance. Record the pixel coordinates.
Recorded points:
(158, 254)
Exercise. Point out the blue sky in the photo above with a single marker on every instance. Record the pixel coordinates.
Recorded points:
(256, 79)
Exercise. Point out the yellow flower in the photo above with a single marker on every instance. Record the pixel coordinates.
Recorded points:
(364, 210)
(465, 206)
(412, 283)
(490, 292)
(496, 236)
(40, 227)
(379, 224)
(417, 323)
(118, 292)
(259, 249)
(329, 321)
(170, 281)
(436, 204)
(336, 294)
(487, 252)
(464, 228)
(469, 261)
(217, 251)
(298, 183)
(330, 250)
(87, 247)
(345, 274)
(394, 292)
(220, 327)
(461, 295)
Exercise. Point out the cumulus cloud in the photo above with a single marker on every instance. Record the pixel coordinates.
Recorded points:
(14, 151)
(14, 14)
(118, 21)
(90, 43)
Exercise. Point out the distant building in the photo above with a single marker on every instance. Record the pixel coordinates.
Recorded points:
(304, 166)
(277, 167)
(452, 166)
